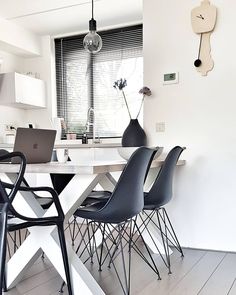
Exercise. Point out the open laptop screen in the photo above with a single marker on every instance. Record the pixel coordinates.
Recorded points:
(36, 144)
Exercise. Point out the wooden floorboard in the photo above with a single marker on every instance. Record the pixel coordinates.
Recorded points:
(180, 268)
(195, 279)
(198, 273)
(232, 290)
(223, 278)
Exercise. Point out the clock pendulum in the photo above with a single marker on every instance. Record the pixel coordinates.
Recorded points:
(198, 62)
(203, 23)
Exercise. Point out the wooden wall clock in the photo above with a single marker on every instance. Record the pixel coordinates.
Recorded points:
(203, 23)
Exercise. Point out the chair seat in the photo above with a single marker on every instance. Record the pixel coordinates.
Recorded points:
(96, 196)
(152, 204)
(150, 207)
(90, 212)
(45, 203)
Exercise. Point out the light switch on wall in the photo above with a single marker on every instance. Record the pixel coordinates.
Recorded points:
(160, 127)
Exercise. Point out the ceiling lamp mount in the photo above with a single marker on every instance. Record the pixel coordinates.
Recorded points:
(92, 41)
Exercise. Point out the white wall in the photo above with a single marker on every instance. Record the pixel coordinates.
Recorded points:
(18, 40)
(200, 113)
(10, 63)
(45, 66)
(16, 46)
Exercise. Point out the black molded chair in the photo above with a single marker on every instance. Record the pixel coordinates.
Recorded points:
(122, 208)
(16, 237)
(26, 222)
(158, 196)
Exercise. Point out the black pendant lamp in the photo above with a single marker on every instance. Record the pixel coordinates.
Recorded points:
(92, 41)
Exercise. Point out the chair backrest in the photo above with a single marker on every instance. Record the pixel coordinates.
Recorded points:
(2, 153)
(127, 199)
(161, 190)
(9, 197)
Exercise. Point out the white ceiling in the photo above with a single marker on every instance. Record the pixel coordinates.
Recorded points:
(59, 17)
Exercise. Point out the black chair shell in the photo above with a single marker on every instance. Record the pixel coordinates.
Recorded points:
(161, 190)
(127, 199)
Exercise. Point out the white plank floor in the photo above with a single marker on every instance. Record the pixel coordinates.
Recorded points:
(199, 272)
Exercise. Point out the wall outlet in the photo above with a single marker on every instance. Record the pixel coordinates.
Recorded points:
(160, 127)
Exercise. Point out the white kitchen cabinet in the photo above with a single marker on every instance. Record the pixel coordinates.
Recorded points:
(22, 91)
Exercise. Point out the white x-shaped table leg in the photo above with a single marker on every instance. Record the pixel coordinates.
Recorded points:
(46, 239)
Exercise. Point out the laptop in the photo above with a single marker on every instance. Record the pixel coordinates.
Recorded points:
(36, 144)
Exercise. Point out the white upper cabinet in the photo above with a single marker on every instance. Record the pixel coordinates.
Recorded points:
(22, 91)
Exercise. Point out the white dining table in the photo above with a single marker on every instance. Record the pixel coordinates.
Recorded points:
(86, 177)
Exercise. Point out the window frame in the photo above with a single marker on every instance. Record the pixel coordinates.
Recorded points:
(91, 77)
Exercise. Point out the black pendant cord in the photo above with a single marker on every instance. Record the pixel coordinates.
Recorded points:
(92, 9)
(198, 62)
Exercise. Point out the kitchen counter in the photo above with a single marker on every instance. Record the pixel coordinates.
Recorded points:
(71, 144)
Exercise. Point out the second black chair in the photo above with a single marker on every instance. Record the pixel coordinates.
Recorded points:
(155, 200)
(119, 213)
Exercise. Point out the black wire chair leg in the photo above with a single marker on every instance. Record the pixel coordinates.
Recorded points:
(90, 246)
(62, 287)
(117, 274)
(171, 241)
(150, 235)
(130, 249)
(15, 242)
(172, 229)
(82, 237)
(149, 253)
(72, 234)
(19, 235)
(116, 243)
(136, 249)
(123, 261)
(113, 254)
(166, 242)
(94, 230)
(165, 246)
(101, 250)
(65, 257)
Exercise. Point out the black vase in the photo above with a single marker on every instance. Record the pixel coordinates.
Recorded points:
(134, 135)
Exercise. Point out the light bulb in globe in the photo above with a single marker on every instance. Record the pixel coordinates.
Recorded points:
(92, 42)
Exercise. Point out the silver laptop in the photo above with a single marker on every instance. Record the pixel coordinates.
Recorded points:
(36, 144)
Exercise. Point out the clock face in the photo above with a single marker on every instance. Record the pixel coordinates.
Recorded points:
(204, 18)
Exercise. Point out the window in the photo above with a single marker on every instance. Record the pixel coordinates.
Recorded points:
(86, 80)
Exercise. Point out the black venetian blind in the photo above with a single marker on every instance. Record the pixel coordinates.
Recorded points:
(85, 80)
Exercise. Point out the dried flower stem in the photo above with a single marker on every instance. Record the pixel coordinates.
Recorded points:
(140, 106)
(126, 103)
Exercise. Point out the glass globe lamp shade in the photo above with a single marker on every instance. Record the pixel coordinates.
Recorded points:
(92, 42)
